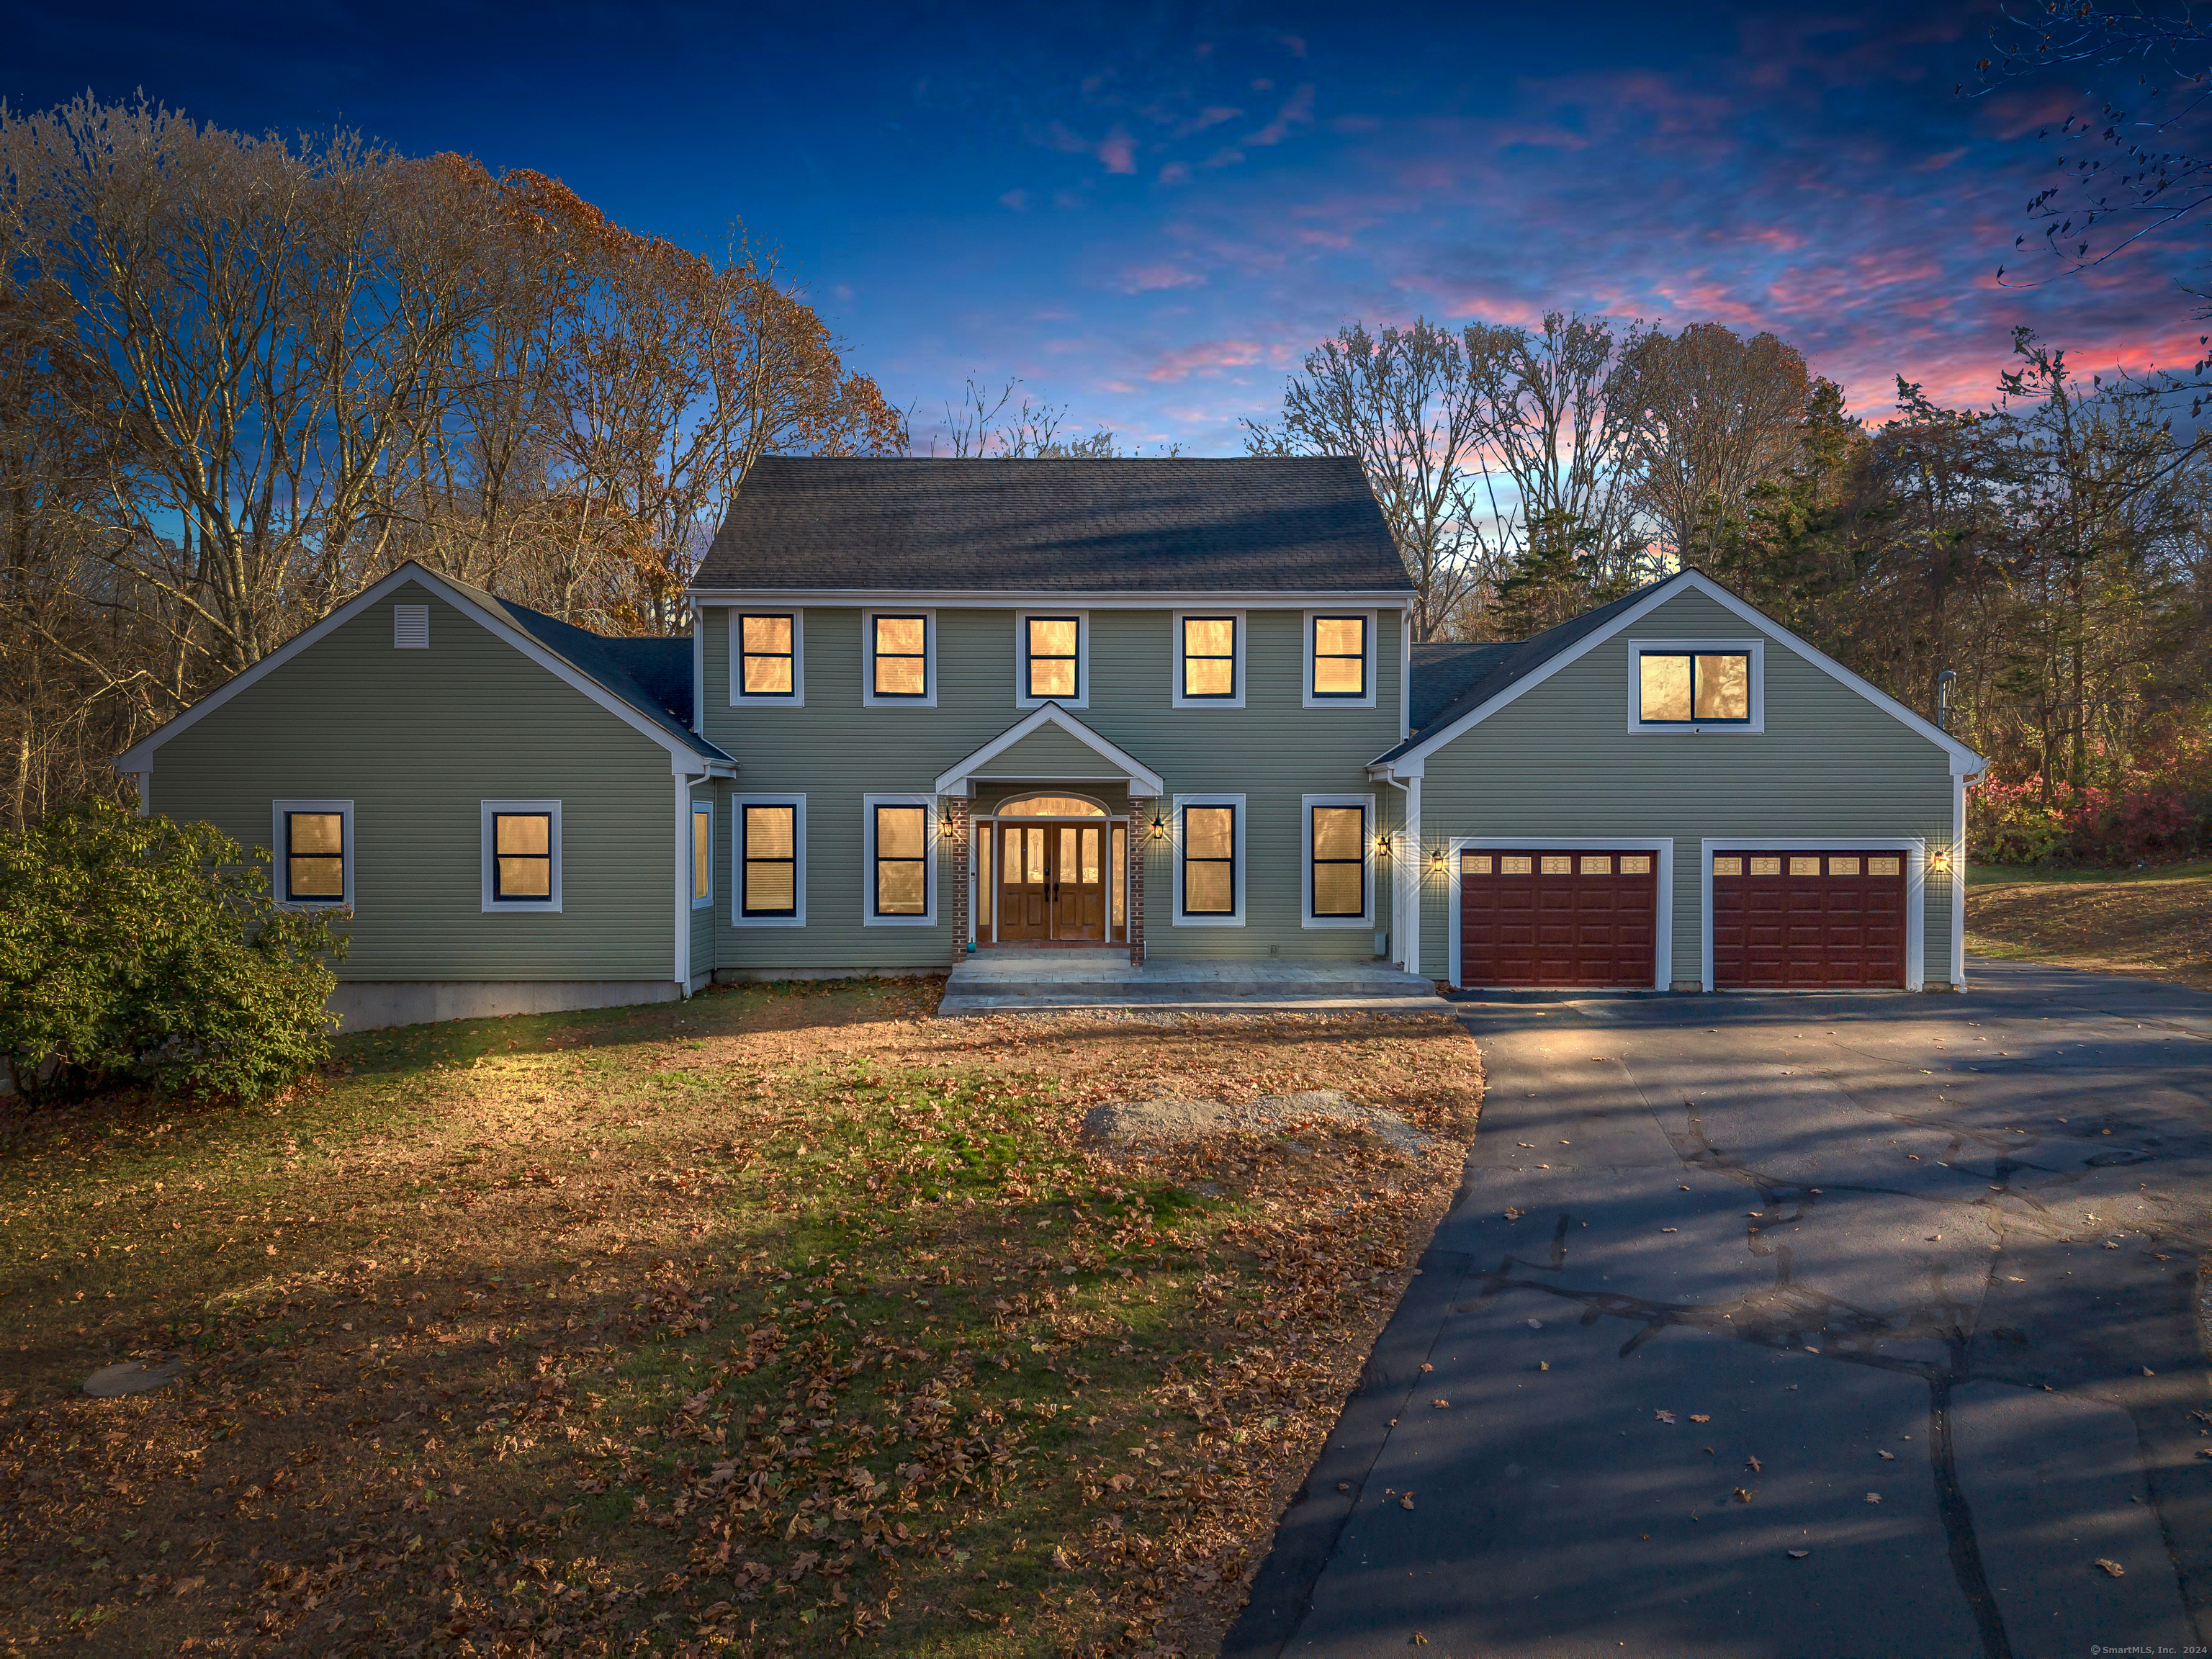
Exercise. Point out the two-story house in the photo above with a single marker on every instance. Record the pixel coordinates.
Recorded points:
(1164, 708)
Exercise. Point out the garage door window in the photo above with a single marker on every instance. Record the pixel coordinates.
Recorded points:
(1474, 864)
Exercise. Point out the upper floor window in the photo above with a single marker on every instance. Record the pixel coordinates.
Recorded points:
(767, 661)
(314, 852)
(1340, 659)
(1209, 658)
(1051, 659)
(902, 651)
(1696, 684)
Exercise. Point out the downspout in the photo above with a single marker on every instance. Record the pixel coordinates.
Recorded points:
(1959, 879)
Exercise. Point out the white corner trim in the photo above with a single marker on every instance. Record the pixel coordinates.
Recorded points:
(1662, 928)
(1082, 620)
(1306, 649)
(1176, 697)
(1958, 874)
(1752, 645)
(488, 809)
(956, 779)
(1915, 849)
(1368, 830)
(277, 881)
(868, 916)
(139, 756)
(1235, 919)
(742, 698)
(1963, 759)
(868, 697)
(738, 804)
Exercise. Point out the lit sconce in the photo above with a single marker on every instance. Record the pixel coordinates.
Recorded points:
(1939, 861)
(1381, 847)
(1159, 829)
(1437, 862)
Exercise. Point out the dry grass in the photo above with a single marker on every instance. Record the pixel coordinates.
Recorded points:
(781, 1320)
(2152, 925)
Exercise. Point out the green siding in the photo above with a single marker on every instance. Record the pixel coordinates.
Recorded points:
(835, 750)
(1560, 762)
(416, 739)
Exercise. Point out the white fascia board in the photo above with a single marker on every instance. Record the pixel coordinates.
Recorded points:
(953, 781)
(999, 598)
(139, 756)
(1962, 759)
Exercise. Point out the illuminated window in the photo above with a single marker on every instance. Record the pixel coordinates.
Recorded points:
(1209, 860)
(900, 852)
(1049, 646)
(313, 851)
(521, 855)
(899, 658)
(1209, 658)
(1694, 688)
(768, 854)
(703, 854)
(767, 656)
(1339, 860)
(1340, 657)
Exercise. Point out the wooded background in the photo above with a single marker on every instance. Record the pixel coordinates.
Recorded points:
(240, 378)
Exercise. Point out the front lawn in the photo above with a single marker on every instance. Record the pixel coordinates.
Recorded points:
(785, 1319)
(2154, 923)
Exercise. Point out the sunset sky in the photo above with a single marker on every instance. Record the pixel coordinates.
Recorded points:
(1150, 213)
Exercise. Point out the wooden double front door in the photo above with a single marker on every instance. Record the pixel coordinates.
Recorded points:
(1051, 881)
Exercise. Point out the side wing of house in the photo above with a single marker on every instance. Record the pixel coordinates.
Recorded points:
(506, 841)
(1806, 836)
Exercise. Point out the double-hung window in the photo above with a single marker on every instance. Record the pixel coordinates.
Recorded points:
(1339, 659)
(314, 841)
(702, 855)
(1208, 653)
(521, 855)
(1336, 860)
(1697, 685)
(900, 652)
(1052, 659)
(901, 890)
(1209, 864)
(767, 654)
(769, 860)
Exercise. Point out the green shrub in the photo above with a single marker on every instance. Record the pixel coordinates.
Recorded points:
(141, 949)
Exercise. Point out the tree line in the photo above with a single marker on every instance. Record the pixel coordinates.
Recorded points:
(2050, 550)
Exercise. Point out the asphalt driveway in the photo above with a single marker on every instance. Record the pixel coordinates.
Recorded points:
(1793, 1324)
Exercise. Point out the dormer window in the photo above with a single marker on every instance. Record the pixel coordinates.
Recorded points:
(1697, 685)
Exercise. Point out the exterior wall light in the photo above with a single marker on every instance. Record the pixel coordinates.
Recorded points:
(1159, 829)
(1381, 846)
(1437, 862)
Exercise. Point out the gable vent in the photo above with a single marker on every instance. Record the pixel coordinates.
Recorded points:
(410, 627)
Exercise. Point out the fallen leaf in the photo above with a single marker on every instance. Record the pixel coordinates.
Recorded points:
(1701, 1417)
(1742, 1496)
(1799, 1555)
(2112, 1567)
(1545, 1364)
(1874, 1498)
(1404, 1500)
(1512, 1214)
(1755, 1465)
(1441, 1405)
(1670, 1230)
(1419, 1640)
(1664, 1417)
(1425, 1366)
(1887, 1457)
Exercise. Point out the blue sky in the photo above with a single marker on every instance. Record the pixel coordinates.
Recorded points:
(1149, 213)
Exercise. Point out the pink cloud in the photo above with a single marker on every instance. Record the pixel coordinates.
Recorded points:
(1208, 356)
(1147, 279)
(1119, 151)
(1297, 111)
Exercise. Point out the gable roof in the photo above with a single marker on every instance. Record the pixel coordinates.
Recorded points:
(956, 780)
(1247, 524)
(1467, 684)
(635, 680)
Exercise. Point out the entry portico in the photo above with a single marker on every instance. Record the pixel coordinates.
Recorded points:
(1046, 826)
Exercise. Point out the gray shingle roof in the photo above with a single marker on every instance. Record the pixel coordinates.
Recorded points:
(1247, 524)
(1453, 680)
(653, 676)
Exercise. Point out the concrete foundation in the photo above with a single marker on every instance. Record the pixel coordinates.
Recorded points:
(373, 1004)
(770, 975)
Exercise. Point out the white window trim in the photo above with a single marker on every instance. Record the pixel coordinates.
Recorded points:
(738, 917)
(736, 668)
(1175, 698)
(1368, 831)
(1753, 646)
(277, 809)
(868, 805)
(1662, 933)
(1306, 650)
(486, 812)
(1022, 698)
(1915, 849)
(868, 697)
(1175, 847)
(702, 809)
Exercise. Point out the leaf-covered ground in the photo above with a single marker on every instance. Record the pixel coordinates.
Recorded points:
(2153, 924)
(783, 1321)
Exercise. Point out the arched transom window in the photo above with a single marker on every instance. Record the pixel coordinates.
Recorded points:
(1050, 806)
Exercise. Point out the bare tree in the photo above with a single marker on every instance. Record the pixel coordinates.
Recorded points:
(1403, 403)
(981, 427)
(1712, 415)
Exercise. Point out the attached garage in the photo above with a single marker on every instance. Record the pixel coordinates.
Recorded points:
(1533, 917)
(1810, 919)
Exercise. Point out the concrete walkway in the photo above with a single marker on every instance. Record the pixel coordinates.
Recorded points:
(1792, 1326)
(1011, 981)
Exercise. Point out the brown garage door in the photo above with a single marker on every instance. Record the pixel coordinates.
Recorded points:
(1538, 918)
(1807, 921)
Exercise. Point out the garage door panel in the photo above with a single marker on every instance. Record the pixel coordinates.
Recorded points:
(1803, 920)
(1591, 918)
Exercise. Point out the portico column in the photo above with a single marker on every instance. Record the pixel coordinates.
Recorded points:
(956, 839)
(1139, 836)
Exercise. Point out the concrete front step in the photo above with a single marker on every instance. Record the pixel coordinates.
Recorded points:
(1303, 1002)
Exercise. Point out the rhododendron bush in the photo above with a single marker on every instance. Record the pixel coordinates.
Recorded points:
(2153, 814)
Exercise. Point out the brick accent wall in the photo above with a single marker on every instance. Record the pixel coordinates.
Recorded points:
(1140, 831)
(956, 839)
